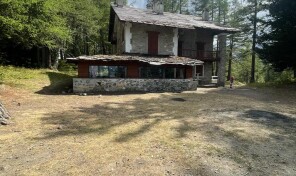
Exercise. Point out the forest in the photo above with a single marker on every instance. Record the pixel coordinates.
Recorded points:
(42, 33)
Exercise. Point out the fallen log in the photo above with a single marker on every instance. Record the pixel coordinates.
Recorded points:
(4, 115)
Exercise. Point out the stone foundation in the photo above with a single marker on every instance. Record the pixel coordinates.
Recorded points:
(128, 85)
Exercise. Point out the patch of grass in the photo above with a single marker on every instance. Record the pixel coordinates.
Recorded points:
(33, 79)
(285, 84)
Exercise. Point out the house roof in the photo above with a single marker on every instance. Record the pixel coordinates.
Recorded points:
(144, 16)
(152, 60)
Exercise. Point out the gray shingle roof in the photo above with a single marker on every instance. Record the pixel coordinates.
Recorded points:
(135, 15)
(152, 60)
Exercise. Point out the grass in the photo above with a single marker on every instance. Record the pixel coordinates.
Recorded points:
(34, 79)
(204, 132)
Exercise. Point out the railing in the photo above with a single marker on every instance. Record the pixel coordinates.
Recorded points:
(201, 55)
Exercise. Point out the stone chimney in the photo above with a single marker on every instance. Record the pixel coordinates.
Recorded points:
(158, 6)
(119, 3)
(205, 15)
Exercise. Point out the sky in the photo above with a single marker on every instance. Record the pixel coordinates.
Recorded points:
(137, 3)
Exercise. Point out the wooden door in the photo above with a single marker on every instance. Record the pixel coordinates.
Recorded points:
(153, 43)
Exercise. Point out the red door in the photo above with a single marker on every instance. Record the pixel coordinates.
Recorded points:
(153, 43)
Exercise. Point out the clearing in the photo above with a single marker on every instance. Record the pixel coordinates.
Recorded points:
(245, 131)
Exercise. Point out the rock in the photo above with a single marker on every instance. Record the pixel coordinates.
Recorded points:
(3, 122)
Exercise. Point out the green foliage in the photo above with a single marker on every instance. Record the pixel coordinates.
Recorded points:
(66, 67)
(78, 27)
(278, 43)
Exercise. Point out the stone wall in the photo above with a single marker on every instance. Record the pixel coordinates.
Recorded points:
(140, 39)
(81, 85)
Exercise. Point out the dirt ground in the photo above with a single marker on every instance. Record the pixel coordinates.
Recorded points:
(218, 131)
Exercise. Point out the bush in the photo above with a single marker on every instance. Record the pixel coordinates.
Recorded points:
(66, 67)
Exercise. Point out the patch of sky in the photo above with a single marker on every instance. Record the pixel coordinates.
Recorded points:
(137, 3)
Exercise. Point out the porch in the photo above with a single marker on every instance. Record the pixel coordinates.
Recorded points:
(200, 54)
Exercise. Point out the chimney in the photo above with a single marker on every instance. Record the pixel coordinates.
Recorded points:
(119, 3)
(205, 15)
(158, 6)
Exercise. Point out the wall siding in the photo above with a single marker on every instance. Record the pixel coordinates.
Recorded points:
(140, 39)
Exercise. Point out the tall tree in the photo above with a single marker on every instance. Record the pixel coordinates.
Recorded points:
(278, 42)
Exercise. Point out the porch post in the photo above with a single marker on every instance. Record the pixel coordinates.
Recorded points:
(222, 62)
(194, 72)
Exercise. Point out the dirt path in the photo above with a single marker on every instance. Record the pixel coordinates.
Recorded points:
(207, 132)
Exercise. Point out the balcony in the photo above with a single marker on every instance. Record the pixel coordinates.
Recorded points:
(201, 55)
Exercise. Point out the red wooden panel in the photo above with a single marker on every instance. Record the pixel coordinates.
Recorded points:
(83, 70)
(188, 72)
(153, 43)
(133, 70)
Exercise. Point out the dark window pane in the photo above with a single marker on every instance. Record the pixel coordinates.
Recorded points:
(93, 71)
(121, 72)
(151, 72)
(180, 72)
(113, 71)
(103, 72)
(170, 73)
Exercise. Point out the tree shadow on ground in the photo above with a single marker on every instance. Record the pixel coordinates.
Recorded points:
(196, 115)
(59, 82)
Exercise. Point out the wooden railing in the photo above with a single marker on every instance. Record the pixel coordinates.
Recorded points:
(201, 55)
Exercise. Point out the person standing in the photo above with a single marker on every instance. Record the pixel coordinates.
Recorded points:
(231, 82)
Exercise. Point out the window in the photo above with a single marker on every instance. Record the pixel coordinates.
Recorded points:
(200, 70)
(151, 72)
(107, 71)
(161, 72)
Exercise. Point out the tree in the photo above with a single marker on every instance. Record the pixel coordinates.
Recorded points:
(278, 42)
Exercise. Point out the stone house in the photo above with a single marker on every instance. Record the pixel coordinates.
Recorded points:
(154, 51)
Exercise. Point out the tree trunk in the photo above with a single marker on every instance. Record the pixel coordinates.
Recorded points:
(57, 58)
(4, 115)
(219, 12)
(212, 10)
(230, 59)
(295, 73)
(180, 6)
(49, 58)
(102, 41)
(254, 44)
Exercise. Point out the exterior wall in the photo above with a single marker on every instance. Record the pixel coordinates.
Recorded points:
(119, 33)
(207, 78)
(189, 37)
(81, 85)
(140, 39)
(127, 37)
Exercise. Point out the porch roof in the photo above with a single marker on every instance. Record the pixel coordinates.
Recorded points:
(144, 16)
(152, 60)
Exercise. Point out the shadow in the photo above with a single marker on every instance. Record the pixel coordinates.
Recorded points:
(206, 126)
(144, 128)
(178, 99)
(59, 83)
(270, 117)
